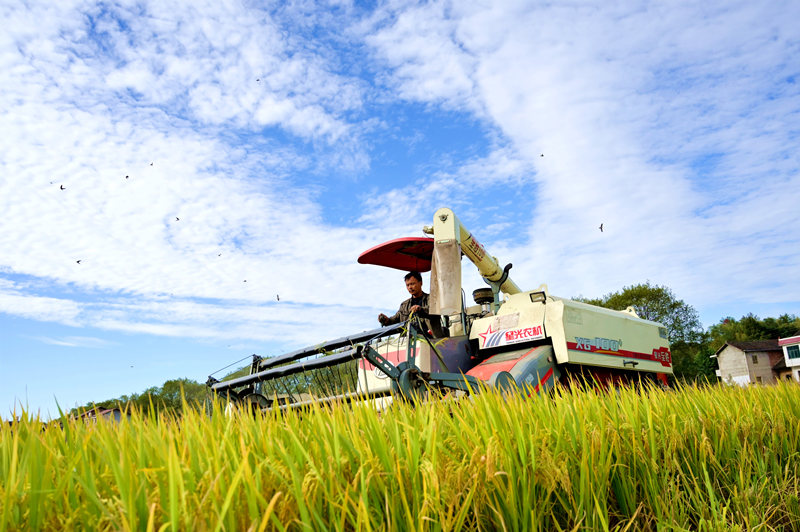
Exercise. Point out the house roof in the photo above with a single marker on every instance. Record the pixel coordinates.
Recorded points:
(754, 345)
(757, 345)
(97, 412)
(790, 340)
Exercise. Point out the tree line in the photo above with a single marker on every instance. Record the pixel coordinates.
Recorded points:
(691, 345)
(169, 397)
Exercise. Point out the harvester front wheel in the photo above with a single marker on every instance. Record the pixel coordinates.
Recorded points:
(410, 385)
(256, 402)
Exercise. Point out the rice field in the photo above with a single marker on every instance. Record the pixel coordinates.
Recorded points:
(715, 458)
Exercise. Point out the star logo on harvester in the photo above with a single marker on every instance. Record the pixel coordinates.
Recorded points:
(488, 336)
(483, 335)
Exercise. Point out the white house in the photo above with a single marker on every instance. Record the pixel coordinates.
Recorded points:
(791, 354)
(755, 362)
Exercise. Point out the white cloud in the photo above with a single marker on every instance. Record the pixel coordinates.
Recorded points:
(40, 308)
(488, 178)
(420, 45)
(76, 341)
(157, 207)
(221, 71)
(621, 102)
(278, 322)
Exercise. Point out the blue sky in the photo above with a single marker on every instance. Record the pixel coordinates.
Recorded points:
(272, 143)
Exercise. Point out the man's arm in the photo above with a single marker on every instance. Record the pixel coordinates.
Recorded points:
(401, 314)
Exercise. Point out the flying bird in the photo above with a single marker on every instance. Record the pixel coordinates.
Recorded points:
(63, 187)
(278, 297)
(601, 228)
(542, 155)
(78, 262)
(126, 177)
(177, 219)
(244, 281)
(151, 164)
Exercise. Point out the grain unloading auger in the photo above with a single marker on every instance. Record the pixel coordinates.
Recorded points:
(512, 339)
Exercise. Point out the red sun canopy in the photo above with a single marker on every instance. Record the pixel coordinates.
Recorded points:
(407, 254)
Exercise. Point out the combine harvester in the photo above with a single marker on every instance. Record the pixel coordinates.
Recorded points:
(526, 341)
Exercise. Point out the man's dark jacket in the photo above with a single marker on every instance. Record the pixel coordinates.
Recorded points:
(430, 322)
(405, 309)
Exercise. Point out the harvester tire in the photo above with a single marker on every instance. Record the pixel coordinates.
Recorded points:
(411, 385)
(256, 402)
(502, 381)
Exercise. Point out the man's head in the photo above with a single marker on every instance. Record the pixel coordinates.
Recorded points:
(414, 284)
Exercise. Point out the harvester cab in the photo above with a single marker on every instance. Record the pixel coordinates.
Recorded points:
(509, 339)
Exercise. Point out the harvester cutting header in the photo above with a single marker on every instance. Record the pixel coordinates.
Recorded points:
(510, 338)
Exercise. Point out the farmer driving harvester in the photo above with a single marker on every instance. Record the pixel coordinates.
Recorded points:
(416, 305)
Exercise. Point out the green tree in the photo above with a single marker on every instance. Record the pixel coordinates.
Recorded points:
(166, 398)
(174, 392)
(656, 303)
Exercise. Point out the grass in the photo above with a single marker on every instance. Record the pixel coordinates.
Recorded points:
(715, 458)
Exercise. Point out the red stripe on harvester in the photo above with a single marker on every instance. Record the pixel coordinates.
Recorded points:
(666, 361)
(544, 379)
